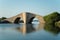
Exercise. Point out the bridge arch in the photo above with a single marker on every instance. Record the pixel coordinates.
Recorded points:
(26, 17)
(40, 19)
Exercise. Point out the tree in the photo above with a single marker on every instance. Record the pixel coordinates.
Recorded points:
(50, 19)
(2, 18)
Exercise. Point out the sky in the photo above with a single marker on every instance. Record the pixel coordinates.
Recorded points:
(9, 8)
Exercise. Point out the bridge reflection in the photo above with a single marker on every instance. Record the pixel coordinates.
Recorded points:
(28, 28)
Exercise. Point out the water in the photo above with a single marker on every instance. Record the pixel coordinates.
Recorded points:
(28, 32)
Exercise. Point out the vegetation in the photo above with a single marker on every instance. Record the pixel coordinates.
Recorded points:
(52, 18)
(57, 24)
(2, 18)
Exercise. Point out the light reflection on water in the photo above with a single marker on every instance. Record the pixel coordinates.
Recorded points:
(27, 32)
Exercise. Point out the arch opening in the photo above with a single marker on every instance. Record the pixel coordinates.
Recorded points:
(34, 20)
(17, 20)
(21, 20)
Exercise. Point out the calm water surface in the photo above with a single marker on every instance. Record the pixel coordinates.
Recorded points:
(28, 32)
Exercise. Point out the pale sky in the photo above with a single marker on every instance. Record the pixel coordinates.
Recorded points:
(10, 8)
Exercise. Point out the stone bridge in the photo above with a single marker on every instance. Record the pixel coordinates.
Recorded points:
(26, 17)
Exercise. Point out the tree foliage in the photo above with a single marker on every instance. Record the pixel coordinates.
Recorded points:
(2, 18)
(51, 18)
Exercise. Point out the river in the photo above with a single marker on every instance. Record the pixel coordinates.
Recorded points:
(28, 32)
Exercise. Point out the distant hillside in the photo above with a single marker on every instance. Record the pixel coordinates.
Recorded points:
(51, 18)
